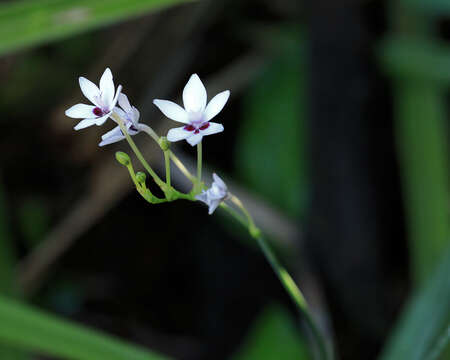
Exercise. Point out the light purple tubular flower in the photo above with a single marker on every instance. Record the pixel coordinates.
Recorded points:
(103, 98)
(129, 115)
(217, 193)
(196, 114)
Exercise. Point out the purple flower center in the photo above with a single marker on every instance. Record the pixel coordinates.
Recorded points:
(98, 112)
(196, 129)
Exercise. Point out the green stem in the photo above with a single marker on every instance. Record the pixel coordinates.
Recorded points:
(139, 155)
(199, 162)
(284, 277)
(167, 162)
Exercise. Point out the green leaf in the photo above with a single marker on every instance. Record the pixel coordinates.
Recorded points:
(271, 155)
(24, 327)
(273, 336)
(423, 325)
(26, 23)
(7, 258)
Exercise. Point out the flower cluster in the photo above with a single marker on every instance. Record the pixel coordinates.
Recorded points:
(109, 102)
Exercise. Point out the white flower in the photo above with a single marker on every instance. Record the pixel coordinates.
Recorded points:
(196, 114)
(217, 193)
(103, 98)
(130, 116)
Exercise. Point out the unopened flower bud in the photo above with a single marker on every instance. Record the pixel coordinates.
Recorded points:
(123, 158)
(140, 177)
(164, 143)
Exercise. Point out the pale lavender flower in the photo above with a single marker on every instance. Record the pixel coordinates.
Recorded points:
(217, 193)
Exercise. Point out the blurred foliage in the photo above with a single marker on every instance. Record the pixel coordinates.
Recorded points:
(425, 319)
(271, 142)
(26, 23)
(34, 221)
(7, 258)
(30, 329)
(273, 336)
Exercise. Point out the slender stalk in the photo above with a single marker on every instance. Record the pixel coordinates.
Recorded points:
(199, 162)
(138, 153)
(149, 131)
(167, 162)
(181, 167)
(284, 277)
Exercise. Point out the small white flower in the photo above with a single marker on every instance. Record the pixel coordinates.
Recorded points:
(130, 116)
(196, 114)
(217, 193)
(103, 98)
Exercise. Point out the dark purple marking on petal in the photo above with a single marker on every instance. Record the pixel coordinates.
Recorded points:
(204, 126)
(97, 111)
(196, 131)
(189, 128)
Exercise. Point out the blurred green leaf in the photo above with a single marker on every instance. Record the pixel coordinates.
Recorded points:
(7, 258)
(26, 23)
(271, 156)
(34, 221)
(425, 319)
(273, 336)
(436, 7)
(24, 327)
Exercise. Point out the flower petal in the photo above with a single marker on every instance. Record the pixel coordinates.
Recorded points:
(194, 139)
(177, 134)
(213, 206)
(219, 182)
(124, 103)
(114, 132)
(120, 113)
(85, 123)
(172, 110)
(213, 128)
(194, 95)
(136, 115)
(118, 92)
(107, 87)
(216, 104)
(90, 90)
(203, 197)
(101, 120)
(80, 111)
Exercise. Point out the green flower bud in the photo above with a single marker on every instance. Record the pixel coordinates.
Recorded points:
(140, 177)
(164, 143)
(123, 158)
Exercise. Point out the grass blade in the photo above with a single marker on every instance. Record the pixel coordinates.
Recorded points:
(26, 23)
(23, 327)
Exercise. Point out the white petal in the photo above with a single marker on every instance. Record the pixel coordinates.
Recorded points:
(120, 113)
(101, 120)
(80, 111)
(194, 95)
(114, 132)
(89, 89)
(216, 104)
(177, 134)
(194, 139)
(203, 197)
(111, 140)
(85, 123)
(136, 115)
(213, 128)
(124, 103)
(219, 182)
(172, 110)
(114, 102)
(213, 206)
(107, 87)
